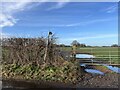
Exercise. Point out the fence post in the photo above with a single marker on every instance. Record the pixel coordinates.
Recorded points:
(48, 47)
(110, 57)
(74, 52)
(91, 50)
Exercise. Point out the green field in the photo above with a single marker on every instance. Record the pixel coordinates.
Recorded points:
(101, 53)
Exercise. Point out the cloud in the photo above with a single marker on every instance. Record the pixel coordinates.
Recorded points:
(89, 22)
(7, 11)
(72, 24)
(87, 39)
(111, 9)
(4, 35)
(7, 20)
(85, 22)
(60, 4)
(101, 36)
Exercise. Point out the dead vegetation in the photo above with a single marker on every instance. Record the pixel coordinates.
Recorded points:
(32, 50)
(37, 58)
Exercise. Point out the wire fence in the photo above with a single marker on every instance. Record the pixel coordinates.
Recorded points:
(105, 55)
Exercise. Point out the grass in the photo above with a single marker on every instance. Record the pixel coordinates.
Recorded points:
(102, 68)
(104, 53)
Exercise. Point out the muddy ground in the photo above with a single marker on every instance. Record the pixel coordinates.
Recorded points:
(110, 80)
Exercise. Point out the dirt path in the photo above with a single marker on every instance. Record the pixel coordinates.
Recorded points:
(110, 80)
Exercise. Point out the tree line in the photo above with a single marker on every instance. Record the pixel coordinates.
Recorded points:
(78, 44)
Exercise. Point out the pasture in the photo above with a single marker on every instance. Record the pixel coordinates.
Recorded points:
(101, 53)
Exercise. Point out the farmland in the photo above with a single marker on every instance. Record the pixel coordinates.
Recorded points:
(102, 53)
(24, 59)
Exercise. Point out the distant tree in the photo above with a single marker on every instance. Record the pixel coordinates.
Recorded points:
(67, 45)
(105, 46)
(114, 45)
(88, 46)
(82, 45)
(62, 45)
(75, 42)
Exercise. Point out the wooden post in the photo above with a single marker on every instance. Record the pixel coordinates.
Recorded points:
(48, 47)
(91, 51)
(45, 52)
(110, 57)
(74, 52)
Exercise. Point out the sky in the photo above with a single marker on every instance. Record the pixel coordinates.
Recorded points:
(91, 23)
